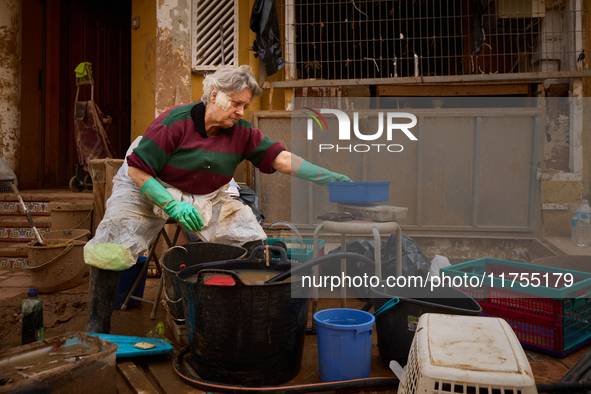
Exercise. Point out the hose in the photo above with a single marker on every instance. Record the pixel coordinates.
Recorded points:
(204, 385)
(579, 369)
(563, 387)
(319, 260)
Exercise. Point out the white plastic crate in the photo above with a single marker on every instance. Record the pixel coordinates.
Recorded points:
(467, 355)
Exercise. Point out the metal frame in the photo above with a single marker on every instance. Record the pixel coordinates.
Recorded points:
(346, 42)
(369, 228)
(530, 77)
(152, 256)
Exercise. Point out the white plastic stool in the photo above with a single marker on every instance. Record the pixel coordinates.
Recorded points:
(358, 227)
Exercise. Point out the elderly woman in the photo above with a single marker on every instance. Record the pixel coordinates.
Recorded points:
(180, 169)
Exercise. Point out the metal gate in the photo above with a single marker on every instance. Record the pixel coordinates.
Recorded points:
(471, 170)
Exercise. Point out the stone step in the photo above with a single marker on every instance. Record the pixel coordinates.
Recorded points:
(48, 195)
(13, 249)
(21, 221)
(37, 202)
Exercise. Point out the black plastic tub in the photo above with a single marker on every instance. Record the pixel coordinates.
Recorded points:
(251, 335)
(396, 326)
(189, 255)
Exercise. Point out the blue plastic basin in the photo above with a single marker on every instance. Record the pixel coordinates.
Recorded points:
(358, 192)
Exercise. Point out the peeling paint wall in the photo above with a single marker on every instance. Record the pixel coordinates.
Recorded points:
(143, 66)
(10, 81)
(562, 189)
(586, 138)
(557, 141)
(173, 53)
(586, 142)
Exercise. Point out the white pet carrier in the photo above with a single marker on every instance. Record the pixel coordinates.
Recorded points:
(467, 355)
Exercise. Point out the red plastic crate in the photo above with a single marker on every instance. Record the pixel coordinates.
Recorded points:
(553, 319)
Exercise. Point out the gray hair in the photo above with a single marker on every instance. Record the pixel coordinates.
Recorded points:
(230, 80)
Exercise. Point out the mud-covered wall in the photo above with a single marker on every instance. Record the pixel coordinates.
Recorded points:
(561, 197)
(10, 81)
(143, 66)
(587, 94)
(562, 191)
(173, 53)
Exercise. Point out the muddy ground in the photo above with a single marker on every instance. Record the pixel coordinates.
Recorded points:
(66, 311)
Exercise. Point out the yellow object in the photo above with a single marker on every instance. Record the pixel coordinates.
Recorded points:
(108, 256)
(81, 72)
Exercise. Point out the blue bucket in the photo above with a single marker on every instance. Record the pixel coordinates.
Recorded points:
(344, 343)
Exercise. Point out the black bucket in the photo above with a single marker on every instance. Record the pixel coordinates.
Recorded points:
(396, 326)
(190, 255)
(251, 335)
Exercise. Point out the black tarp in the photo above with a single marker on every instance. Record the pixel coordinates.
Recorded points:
(414, 261)
(263, 21)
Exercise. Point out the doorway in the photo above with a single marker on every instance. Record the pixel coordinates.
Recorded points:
(57, 36)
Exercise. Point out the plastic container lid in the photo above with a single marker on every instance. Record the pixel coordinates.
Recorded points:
(32, 292)
(584, 208)
(471, 350)
(221, 281)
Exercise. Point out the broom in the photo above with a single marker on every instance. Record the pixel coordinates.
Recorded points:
(27, 214)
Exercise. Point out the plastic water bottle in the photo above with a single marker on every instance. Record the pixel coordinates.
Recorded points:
(32, 326)
(581, 225)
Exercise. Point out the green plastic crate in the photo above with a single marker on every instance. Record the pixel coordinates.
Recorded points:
(295, 251)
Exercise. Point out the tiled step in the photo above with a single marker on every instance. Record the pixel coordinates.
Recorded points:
(35, 208)
(18, 229)
(13, 255)
(15, 230)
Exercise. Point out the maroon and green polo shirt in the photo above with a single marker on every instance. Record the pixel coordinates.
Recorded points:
(176, 149)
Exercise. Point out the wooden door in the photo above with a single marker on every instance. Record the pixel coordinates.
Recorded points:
(57, 35)
(99, 33)
(32, 109)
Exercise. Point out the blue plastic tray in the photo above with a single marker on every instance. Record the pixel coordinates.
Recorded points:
(125, 345)
(358, 192)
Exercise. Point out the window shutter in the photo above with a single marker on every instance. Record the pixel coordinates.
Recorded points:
(210, 19)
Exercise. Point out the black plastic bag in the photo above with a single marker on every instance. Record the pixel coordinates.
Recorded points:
(249, 197)
(414, 261)
(263, 21)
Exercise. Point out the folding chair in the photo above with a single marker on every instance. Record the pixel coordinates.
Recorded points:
(152, 256)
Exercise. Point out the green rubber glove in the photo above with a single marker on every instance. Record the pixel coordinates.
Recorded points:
(184, 212)
(319, 175)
